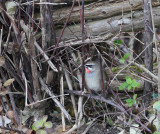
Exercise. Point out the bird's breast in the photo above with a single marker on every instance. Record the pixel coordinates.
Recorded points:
(93, 81)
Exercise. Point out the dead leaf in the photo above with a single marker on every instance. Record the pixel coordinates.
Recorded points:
(5, 120)
(1, 108)
(0, 85)
(3, 92)
(11, 7)
(2, 61)
(30, 132)
(10, 114)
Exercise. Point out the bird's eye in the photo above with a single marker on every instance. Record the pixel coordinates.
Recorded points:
(89, 66)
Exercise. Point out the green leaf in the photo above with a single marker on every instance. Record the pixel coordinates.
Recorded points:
(156, 105)
(128, 80)
(55, 112)
(121, 88)
(156, 132)
(126, 55)
(109, 121)
(130, 120)
(129, 100)
(99, 104)
(115, 41)
(124, 85)
(119, 42)
(134, 101)
(37, 125)
(45, 118)
(155, 95)
(138, 84)
(121, 60)
(78, 62)
(8, 82)
(134, 96)
(135, 83)
(129, 87)
(130, 104)
(48, 124)
(41, 131)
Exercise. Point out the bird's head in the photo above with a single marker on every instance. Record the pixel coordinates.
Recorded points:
(91, 67)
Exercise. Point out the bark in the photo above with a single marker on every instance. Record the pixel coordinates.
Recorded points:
(99, 10)
(105, 27)
(148, 40)
(69, 1)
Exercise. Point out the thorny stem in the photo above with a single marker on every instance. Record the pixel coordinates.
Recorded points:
(63, 30)
(83, 34)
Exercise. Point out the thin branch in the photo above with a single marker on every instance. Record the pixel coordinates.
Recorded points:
(46, 88)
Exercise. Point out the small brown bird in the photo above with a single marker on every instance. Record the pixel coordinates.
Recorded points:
(93, 76)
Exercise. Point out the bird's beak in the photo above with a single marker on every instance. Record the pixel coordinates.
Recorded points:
(87, 70)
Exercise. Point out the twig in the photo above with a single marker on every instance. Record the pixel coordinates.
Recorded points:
(48, 3)
(70, 87)
(45, 88)
(90, 125)
(59, 39)
(146, 70)
(46, 57)
(1, 40)
(46, 99)
(26, 87)
(13, 93)
(83, 38)
(11, 129)
(43, 24)
(25, 28)
(62, 101)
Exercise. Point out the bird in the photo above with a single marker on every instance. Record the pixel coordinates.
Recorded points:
(93, 76)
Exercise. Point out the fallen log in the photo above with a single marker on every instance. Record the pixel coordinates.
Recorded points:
(111, 25)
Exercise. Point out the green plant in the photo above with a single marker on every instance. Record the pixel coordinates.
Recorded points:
(155, 95)
(156, 132)
(129, 84)
(122, 60)
(39, 125)
(109, 121)
(132, 101)
(117, 43)
(156, 106)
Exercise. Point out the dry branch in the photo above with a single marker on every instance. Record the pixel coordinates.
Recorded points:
(48, 91)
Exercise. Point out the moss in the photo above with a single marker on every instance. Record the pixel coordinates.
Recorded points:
(155, 64)
(114, 69)
(136, 68)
